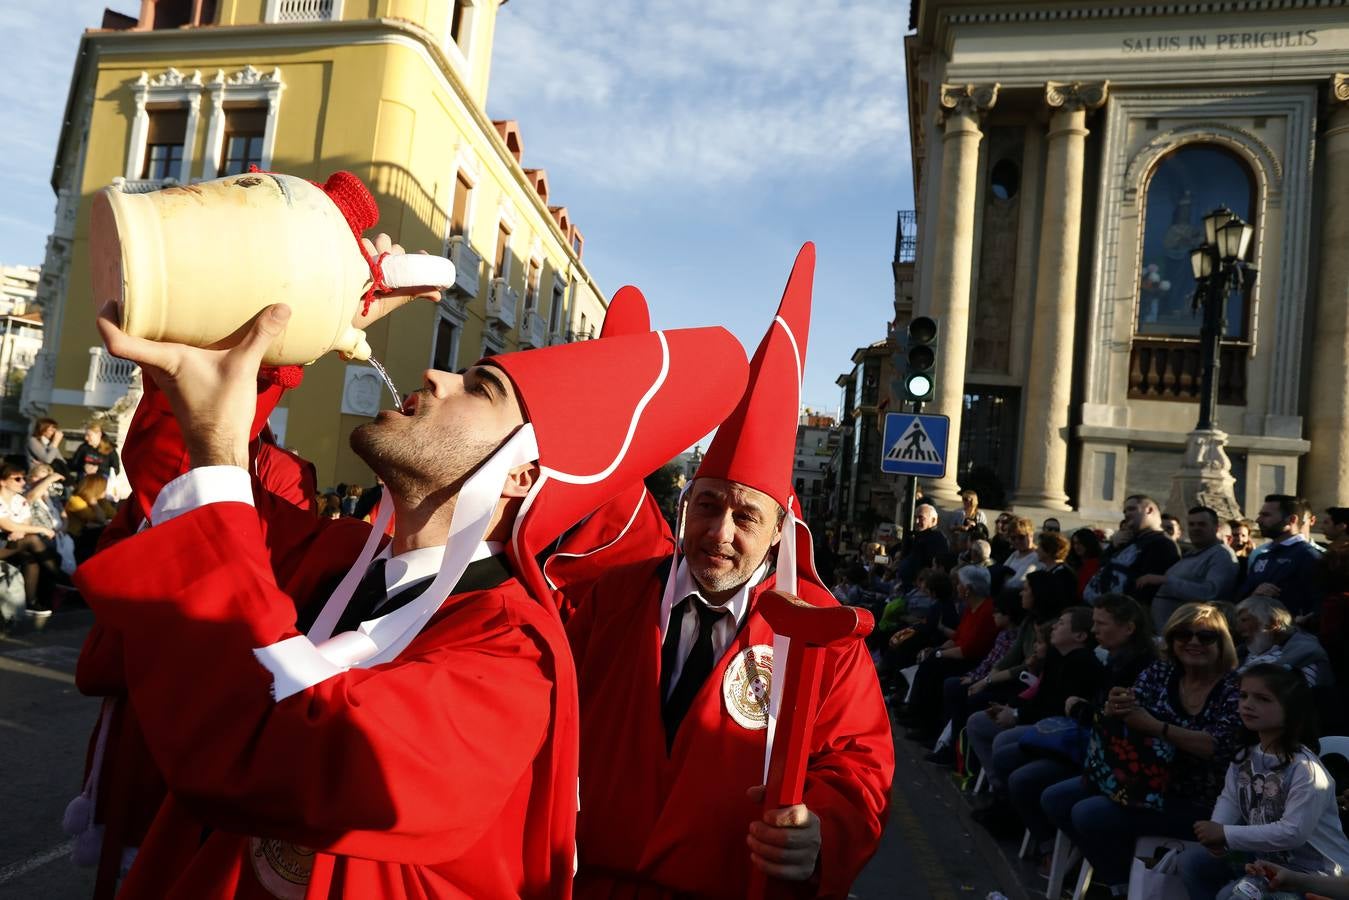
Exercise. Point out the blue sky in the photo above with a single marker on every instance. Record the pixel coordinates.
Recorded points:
(696, 148)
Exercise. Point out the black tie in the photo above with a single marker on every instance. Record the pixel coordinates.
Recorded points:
(696, 668)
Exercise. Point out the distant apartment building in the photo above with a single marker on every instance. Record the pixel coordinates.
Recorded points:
(18, 289)
(817, 438)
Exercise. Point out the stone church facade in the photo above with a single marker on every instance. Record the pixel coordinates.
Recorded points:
(1064, 155)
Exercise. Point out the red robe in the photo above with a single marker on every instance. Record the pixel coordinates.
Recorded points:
(628, 529)
(130, 788)
(449, 772)
(655, 825)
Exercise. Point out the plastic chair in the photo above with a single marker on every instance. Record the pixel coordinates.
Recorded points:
(1064, 858)
(1336, 745)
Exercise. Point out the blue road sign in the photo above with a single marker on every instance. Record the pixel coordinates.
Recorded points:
(915, 445)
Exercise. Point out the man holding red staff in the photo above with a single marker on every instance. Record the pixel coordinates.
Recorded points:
(675, 669)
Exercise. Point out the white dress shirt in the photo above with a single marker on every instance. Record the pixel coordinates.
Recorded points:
(723, 633)
(231, 484)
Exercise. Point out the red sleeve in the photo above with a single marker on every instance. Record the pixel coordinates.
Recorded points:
(153, 453)
(850, 771)
(287, 475)
(408, 761)
(976, 635)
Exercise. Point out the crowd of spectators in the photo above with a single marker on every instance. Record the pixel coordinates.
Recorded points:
(53, 509)
(1171, 678)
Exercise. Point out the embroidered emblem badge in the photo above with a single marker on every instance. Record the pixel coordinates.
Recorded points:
(282, 868)
(746, 685)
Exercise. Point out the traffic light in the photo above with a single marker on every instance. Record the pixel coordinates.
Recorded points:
(920, 359)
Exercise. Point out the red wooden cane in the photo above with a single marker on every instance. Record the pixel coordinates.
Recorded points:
(811, 629)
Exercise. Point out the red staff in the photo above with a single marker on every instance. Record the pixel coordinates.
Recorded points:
(810, 630)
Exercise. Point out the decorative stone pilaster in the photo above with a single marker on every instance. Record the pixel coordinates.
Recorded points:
(1045, 430)
(961, 106)
(1327, 467)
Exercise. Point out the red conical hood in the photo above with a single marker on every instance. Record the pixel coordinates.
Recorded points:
(627, 314)
(605, 413)
(756, 445)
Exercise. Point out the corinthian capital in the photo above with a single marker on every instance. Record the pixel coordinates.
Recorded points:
(1074, 95)
(969, 99)
(1339, 88)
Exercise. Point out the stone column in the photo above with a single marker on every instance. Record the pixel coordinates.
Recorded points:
(953, 259)
(1328, 407)
(1044, 433)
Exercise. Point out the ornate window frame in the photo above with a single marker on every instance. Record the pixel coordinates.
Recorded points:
(248, 85)
(169, 88)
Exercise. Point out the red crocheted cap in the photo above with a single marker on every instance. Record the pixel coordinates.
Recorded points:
(354, 200)
(288, 377)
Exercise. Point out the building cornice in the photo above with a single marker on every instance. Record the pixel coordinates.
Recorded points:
(1045, 12)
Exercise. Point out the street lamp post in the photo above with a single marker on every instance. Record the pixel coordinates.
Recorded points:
(1220, 267)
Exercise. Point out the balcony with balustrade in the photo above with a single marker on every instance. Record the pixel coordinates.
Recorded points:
(1171, 369)
(535, 331)
(501, 303)
(108, 380)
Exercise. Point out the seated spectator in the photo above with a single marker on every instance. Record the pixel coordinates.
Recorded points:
(27, 546)
(1188, 699)
(1333, 622)
(351, 500)
(48, 510)
(95, 456)
(979, 554)
(960, 696)
(1278, 801)
(928, 542)
(330, 506)
(1335, 523)
(1172, 528)
(1205, 574)
(1050, 526)
(1287, 567)
(971, 642)
(1023, 559)
(854, 575)
(1070, 667)
(1122, 629)
(930, 621)
(1268, 635)
(1043, 598)
(88, 512)
(44, 446)
(1241, 543)
(1000, 542)
(1147, 552)
(967, 517)
(1051, 552)
(1084, 557)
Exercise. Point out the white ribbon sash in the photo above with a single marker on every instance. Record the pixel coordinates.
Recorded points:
(303, 661)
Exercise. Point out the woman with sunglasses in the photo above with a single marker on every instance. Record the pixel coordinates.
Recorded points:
(1187, 698)
(26, 546)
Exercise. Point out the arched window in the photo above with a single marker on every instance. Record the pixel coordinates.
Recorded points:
(1186, 185)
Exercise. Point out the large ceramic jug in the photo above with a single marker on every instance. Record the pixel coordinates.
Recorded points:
(194, 263)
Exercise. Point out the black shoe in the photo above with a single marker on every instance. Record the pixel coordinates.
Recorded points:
(942, 756)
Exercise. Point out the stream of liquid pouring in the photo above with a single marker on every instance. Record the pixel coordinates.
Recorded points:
(388, 382)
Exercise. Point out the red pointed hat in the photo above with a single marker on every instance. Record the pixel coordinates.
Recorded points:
(627, 314)
(630, 527)
(756, 445)
(605, 414)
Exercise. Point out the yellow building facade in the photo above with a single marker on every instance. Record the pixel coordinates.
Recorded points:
(392, 90)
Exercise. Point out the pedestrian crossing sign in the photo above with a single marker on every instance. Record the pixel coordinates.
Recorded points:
(915, 445)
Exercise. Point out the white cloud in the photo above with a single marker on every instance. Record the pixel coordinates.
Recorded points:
(641, 91)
